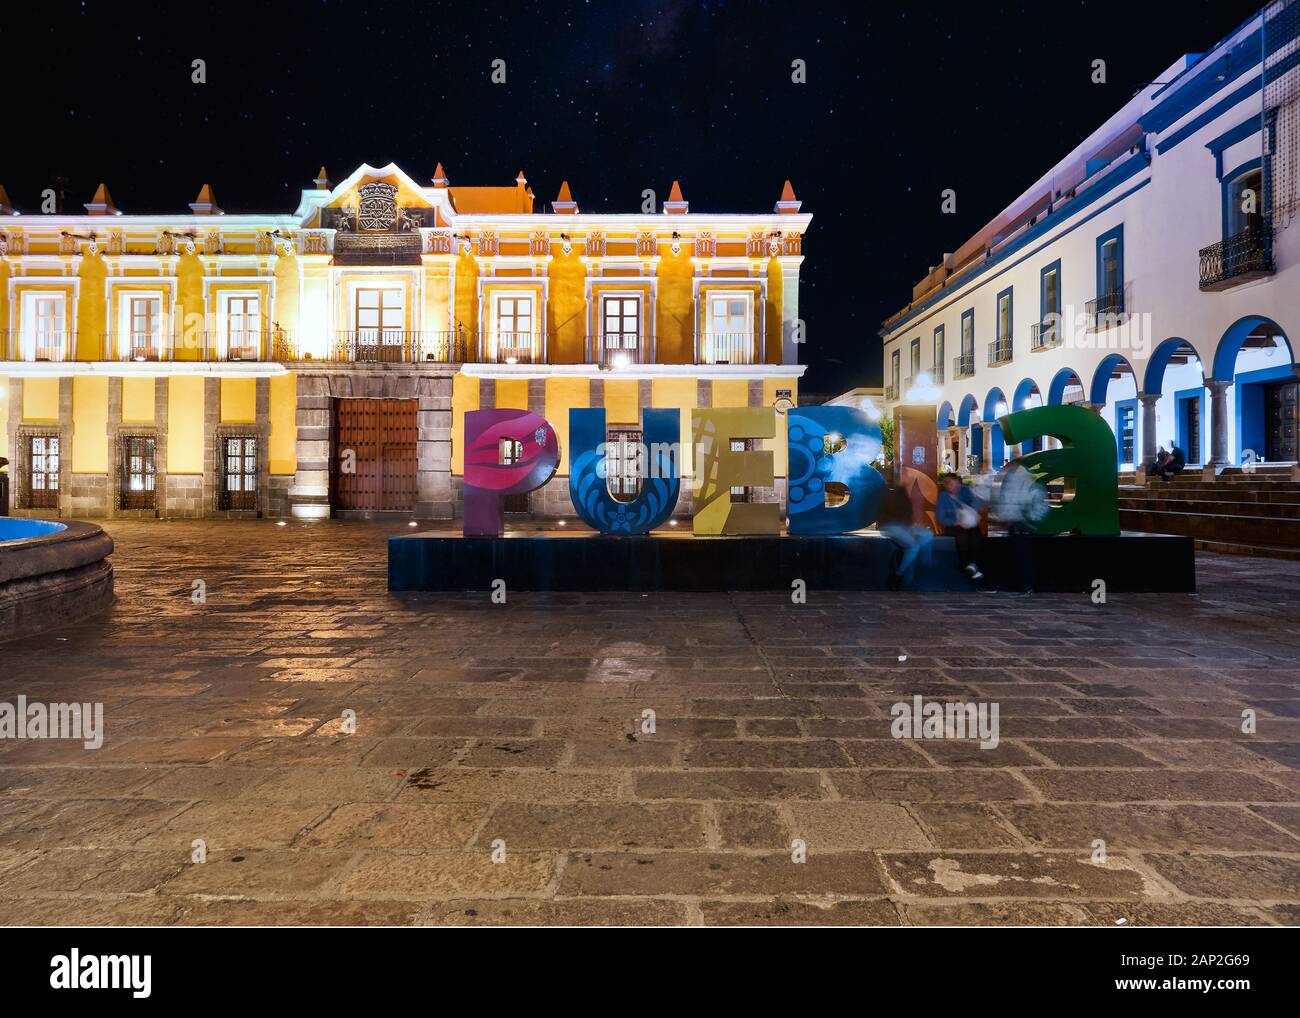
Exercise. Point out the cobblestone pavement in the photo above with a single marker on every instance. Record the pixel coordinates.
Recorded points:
(477, 722)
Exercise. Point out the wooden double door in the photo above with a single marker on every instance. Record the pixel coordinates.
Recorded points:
(373, 462)
(1281, 422)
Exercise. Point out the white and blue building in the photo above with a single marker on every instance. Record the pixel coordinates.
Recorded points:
(1152, 273)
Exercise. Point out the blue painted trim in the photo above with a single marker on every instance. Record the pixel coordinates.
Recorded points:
(1117, 235)
(1229, 138)
(968, 314)
(1056, 388)
(1011, 315)
(1209, 116)
(991, 401)
(1154, 378)
(1129, 168)
(1181, 437)
(937, 351)
(1207, 78)
(1101, 377)
(1278, 373)
(968, 403)
(1042, 289)
(1228, 198)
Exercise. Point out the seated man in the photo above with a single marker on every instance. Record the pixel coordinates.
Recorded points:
(958, 513)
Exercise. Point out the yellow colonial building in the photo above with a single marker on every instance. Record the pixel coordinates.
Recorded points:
(321, 362)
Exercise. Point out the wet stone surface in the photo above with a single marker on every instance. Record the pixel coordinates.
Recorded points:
(501, 770)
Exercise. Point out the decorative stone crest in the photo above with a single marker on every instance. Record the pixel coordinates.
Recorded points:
(377, 211)
(540, 242)
(596, 243)
(705, 246)
(212, 243)
(645, 242)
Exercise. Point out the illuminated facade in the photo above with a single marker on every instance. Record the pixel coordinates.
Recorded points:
(322, 362)
(1153, 274)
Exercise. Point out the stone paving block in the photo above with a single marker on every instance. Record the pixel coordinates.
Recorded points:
(831, 826)
(1013, 874)
(719, 873)
(800, 912)
(1077, 825)
(257, 871)
(1260, 877)
(721, 785)
(556, 912)
(395, 825)
(929, 786)
(434, 874)
(750, 825)
(594, 825)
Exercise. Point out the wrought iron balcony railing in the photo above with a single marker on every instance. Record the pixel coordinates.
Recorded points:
(891, 392)
(936, 374)
(511, 348)
(1106, 309)
(381, 346)
(618, 351)
(728, 348)
(963, 365)
(42, 346)
(1000, 351)
(1044, 335)
(1241, 258)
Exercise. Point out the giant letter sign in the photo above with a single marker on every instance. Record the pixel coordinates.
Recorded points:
(487, 479)
(1089, 457)
(718, 469)
(660, 485)
(842, 467)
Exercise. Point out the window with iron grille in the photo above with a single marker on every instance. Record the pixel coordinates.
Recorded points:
(239, 472)
(623, 467)
(43, 472)
(138, 472)
(741, 494)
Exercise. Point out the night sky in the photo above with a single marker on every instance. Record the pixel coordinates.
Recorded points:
(901, 102)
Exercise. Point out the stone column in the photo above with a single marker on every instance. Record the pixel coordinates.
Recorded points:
(1148, 401)
(433, 498)
(1220, 457)
(309, 497)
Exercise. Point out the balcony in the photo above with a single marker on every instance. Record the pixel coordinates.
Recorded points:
(1239, 259)
(512, 348)
(936, 374)
(963, 366)
(1106, 310)
(1000, 351)
(891, 392)
(380, 346)
(43, 346)
(614, 352)
(728, 348)
(1045, 335)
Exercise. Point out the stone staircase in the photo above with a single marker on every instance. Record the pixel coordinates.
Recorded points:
(1239, 513)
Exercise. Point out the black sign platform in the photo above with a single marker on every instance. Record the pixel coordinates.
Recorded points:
(591, 562)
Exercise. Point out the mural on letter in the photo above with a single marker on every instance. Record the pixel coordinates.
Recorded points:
(1088, 455)
(660, 483)
(488, 479)
(719, 468)
(831, 449)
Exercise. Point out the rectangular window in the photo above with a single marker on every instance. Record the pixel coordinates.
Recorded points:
(243, 328)
(1110, 272)
(47, 314)
(510, 451)
(1244, 202)
(138, 472)
(1004, 316)
(968, 334)
(731, 335)
(620, 324)
(43, 461)
(893, 374)
(741, 494)
(915, 366)
(145, 324)
(623, 467)
(380, 315)
(239, 472)
(514, 329)
(938, 354)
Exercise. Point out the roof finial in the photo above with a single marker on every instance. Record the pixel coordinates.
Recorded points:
(564, 203)
(206, 203)
(788, 203)
(440, 177)
(322, 180)
(676, 203)
(102, 203)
